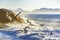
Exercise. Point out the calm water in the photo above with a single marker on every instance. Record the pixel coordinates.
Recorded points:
(44, 15)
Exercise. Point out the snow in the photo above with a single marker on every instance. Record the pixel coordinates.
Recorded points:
(35, 31)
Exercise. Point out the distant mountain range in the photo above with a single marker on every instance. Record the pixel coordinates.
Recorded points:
(40, 11)
(46, 10)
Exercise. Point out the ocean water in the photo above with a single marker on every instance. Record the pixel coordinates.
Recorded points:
(44, 17)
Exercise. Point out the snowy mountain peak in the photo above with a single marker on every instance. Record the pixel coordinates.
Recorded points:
(19, 10)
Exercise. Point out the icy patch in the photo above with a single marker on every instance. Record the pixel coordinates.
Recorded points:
(34, 31)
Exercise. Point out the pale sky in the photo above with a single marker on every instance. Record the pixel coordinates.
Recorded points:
(29, 5)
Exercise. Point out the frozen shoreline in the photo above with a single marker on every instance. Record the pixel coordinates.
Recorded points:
(37, 31)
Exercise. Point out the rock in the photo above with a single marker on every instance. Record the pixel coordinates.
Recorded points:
(9, 16)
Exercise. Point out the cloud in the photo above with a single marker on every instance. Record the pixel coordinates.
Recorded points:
(29, 4)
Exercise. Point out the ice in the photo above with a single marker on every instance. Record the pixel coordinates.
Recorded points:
(35, 31)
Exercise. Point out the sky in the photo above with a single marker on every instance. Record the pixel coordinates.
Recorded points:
(29, 5)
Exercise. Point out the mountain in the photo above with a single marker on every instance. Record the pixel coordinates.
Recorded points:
(19, 10)
(46, 10)
(40, 11)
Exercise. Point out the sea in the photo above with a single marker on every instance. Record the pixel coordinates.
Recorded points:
(43, 15)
